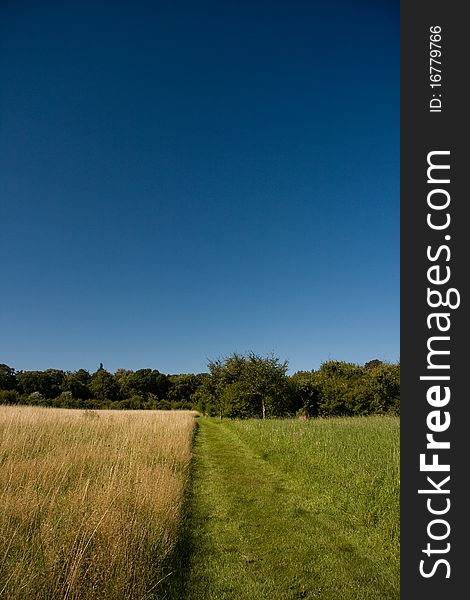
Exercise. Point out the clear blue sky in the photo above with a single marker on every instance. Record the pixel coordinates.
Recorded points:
(180, 180)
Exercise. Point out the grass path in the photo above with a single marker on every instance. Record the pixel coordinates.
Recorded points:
(252, 532)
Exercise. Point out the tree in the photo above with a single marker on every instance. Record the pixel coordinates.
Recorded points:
(122, 378)
(7, 377)
(383, 383)
(183, 387)
(373, 363)
(146, 383)
(149, 381)
(29, 381)
(77, 383)
(251, 386)
(306, 392)
(9, 397)
(102, 385)
(47, 383)
(350, 389)
(201, 398)
(53, 380)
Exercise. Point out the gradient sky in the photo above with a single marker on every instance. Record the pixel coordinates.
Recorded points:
(180, 180)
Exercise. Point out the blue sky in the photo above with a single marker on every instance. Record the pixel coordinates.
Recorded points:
(181, 180)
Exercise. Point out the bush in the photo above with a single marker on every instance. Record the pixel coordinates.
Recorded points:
(134, 403)
(346, 389)
(9, 397)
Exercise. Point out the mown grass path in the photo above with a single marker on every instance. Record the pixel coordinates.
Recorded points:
(253, 532)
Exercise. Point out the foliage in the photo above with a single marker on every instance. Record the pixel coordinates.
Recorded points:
(345, 389)
(9, 397)
(182, 387)
(306, 391)
(78, 384)
(250, 386)
(48, 383)
(7, 377)
(238, 386)
(103, 385)
(144, 382)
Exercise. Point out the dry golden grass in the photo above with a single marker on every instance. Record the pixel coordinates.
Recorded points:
(90, 501)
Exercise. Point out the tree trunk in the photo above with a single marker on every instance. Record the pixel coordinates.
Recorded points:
(264, 409)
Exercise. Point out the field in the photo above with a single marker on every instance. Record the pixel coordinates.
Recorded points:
(291, 509)
(118, 504)
(91, 501)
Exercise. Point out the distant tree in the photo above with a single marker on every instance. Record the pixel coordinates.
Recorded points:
(149, 381)
(146, 383)
(237, 386)
(122, 378)
(133, 403)
(335, 381)
(182, 387)
(251, 385)
(161, 405)
(37, 398)
(103, 386)
(351, 389)
(29, 381)
(53, 380)
(306, 391)
(383, 385)
(7, 377)
(373, 363)
(9, 397)
(65, 400)
(77, 383)
(47, 383)
(202, 396)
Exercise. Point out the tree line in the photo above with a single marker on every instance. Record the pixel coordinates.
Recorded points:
(237, 386)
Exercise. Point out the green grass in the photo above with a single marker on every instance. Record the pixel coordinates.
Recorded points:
(290, 509)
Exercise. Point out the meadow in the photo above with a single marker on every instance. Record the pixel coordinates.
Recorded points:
(290, 509)
(141, 505)
(91, 501)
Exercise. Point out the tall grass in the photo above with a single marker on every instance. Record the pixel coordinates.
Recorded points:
(289, 509)
(90, 501)
(351, 469)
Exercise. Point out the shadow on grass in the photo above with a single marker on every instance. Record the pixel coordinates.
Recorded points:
(175, 571)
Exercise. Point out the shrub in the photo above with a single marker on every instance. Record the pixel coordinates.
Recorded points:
(9, 397)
